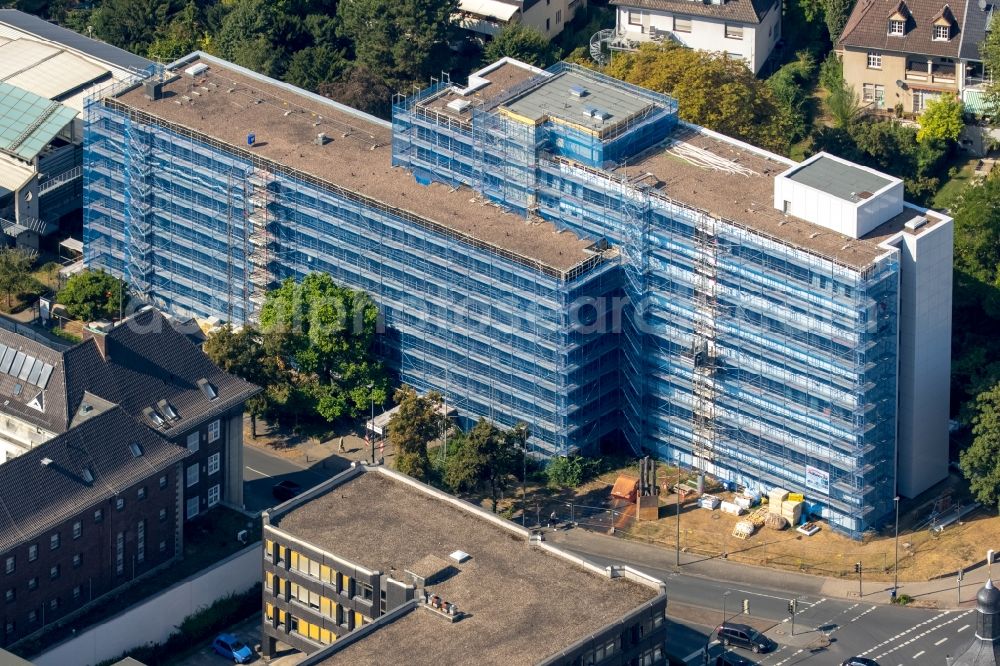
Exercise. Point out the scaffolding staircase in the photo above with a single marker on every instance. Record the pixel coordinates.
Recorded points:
(703, 348)
(138, 228)
(635, 255)
(260, 196)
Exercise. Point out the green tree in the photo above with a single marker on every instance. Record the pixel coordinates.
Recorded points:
(362, 89)
(836, 13)
(942, 120)
(571, 471)
(184, 33)
(712, 90)
(485, 457)
(523, 42)
(15, 271)
(417, 422)
(324, 334)
(93, 295)
(792, 86)
(243, 353)
(399, 40)
(313, 66)
(844, 105)
(980, 462)
(131, 24)
(989, 51)
(251, 36)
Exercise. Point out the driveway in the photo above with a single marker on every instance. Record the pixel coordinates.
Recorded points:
(247, 631)
(261, 470)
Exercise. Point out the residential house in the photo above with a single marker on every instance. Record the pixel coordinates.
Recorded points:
(744, 29)
(488, 17)
(107, 448)
(903, 53)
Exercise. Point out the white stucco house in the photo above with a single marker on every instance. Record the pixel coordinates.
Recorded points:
(745, 29)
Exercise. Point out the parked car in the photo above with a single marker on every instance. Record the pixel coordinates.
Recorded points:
(859, 661)
(233, 648)
(285, 490)
(741, 635)
(730, 659)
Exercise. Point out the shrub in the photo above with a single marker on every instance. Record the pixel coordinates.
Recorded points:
(572, 471)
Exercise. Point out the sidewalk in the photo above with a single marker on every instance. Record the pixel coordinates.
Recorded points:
(942, 593)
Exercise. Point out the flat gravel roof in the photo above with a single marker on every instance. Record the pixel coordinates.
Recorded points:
(844, 181)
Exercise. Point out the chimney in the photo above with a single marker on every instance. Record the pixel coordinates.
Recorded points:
(98, 332)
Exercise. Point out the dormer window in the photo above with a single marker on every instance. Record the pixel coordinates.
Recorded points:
(897, 28)
(942, 33)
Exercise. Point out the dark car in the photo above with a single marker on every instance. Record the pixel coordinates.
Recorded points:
(730, 659)
(285, 490)
(741, 635)
(859, 661)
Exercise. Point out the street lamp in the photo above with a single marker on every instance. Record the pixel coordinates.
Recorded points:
(371, 424)
(895, 567)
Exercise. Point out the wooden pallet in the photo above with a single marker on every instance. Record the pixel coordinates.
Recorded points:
(757, 516)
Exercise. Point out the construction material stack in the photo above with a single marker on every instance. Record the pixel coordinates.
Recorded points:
(775, 499)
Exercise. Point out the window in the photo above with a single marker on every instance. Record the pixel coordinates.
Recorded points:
(192, 508)
(119, 503)
(213, 495)
(897, 27)
(54, 571)
(9, 595)
(163, 482)
(734, 31)
(140, 541)
(77, 560)
(366, 591)
(163, 546)
(54, 541)
(194, 441)
(33, 552)
(873, 93)
(77, 529)
(213, 463)
(32, 616)
(33, 583)
(163, 515)
(120, 553)
(214, 428)
(942, 32)
(141, 493)
(682, 24)
(10, 627)
(99, 515)
(874, 60)
(54, 603)
(76, 593)
(9, 568)
(635, 18)
(558, 16)
(192, 475)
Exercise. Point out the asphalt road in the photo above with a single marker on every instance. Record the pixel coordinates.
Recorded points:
(262, 470)
(892, 635)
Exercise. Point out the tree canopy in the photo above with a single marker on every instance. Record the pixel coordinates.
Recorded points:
(93, 295)
(942, 120)
(485, 457)
(15, 271)
(712, 90)
(523, 42)
(243, 353)
(980, 462)
(410, 429)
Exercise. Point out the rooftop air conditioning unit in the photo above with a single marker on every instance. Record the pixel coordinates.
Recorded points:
(196, 69)
(577, 91)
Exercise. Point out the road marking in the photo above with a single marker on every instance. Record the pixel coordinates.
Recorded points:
(257, 471)
(699, 651)
(919, 654)
(941, 641)
(963, 627)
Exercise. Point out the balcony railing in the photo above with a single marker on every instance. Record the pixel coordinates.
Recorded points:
(937, 73)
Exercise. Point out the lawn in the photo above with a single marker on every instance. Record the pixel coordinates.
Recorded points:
(945, 197)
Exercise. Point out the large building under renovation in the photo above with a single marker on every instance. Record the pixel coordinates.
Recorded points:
(554, 247)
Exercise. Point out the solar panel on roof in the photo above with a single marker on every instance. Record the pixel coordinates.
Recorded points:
(16, 365)
(8, 358)
(43, 379)
(29, 363)
(3, 349)
(36, 370)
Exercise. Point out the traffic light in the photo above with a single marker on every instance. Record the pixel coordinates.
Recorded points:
(857, 567)
(746, 606)
(791, 607)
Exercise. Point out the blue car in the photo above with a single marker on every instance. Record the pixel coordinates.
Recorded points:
(233, 648)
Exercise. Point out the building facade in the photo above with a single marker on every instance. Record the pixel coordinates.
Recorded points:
(87, 513)
(555, 248)
(746, 30)
(489, 17)
(338, 587)
(907, 53)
